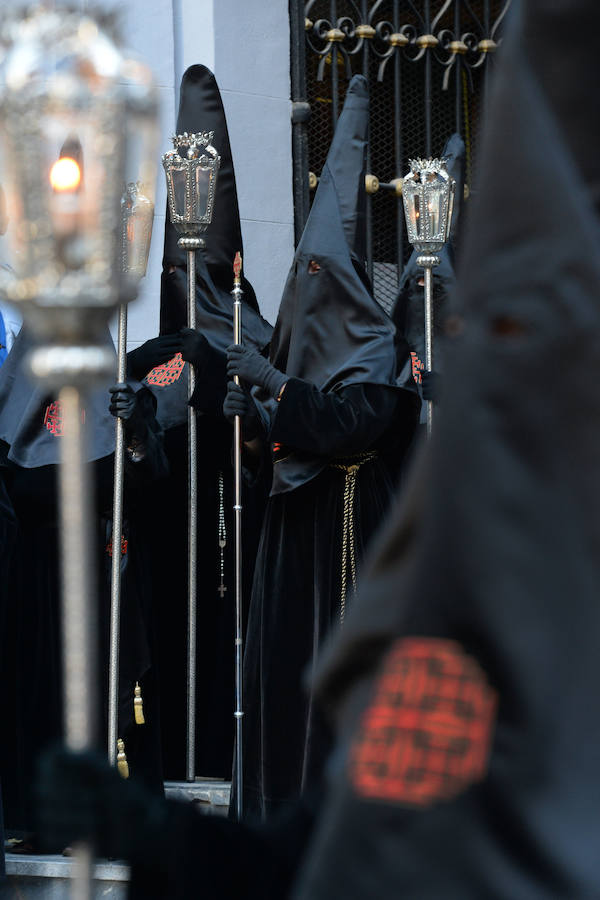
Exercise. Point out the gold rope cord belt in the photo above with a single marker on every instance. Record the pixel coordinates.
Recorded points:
(350, 465)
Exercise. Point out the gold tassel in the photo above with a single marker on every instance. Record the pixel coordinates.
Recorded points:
(122, 764)
(138, 705)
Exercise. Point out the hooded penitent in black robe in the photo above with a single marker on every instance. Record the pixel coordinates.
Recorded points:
(201, 109)
(409, 307)
(338, 435)
(470, 765)
(30, 643)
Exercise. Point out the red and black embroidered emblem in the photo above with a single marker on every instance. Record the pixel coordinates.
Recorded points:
(123, 547)
(426, 735)
(167, 373)
(53, 419)
(417, 367)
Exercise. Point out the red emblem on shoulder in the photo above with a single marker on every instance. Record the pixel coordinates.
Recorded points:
(53, 418)
(417, 366)
(167, 373)
(427, 734)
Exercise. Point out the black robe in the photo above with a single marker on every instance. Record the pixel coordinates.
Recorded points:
(166, 508)
(297, 590)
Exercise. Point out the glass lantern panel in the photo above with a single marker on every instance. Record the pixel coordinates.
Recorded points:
(434, 212)
(179, 182)
(202, 180)
(417, 215)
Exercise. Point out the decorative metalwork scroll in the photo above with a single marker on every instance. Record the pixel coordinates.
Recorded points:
(428, 64)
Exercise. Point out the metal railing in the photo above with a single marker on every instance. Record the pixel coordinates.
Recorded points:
(427, 63)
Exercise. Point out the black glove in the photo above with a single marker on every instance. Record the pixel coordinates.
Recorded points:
(254, 369)
(81, 798)
(154, 352)
(238, 403)
(194, 347)
(431, 384)
(124, 405)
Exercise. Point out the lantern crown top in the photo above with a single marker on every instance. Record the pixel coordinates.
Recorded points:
(428, 195)
(191, 146)
(435, 166)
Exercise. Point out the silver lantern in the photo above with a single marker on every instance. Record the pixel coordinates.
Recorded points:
(428, 196)
(191, 170)
(75, 115)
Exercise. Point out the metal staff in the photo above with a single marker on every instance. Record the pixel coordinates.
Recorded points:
(78, 580)
(117, 535)
(428, 261)
(237, 510)
(137, 213)
(191, 170)
(192, 244)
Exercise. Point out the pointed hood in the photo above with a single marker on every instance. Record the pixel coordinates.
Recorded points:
(330, 330)
(30, 419)
(504, 559)
(408, 309)
(201, 109)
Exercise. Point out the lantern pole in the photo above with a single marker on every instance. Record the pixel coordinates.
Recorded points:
(137, 213)
(428, 261)
(237, 293)
(191, 170)
(192, 245)
(116, 540)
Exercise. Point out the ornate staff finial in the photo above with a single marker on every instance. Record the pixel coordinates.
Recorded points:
(237, 268)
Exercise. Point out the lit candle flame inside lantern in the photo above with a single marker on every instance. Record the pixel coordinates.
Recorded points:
(65, 174)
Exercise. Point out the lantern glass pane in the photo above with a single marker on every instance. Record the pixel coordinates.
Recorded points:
(434, 212)
(179, 181)
(418, 215)
(202, 179)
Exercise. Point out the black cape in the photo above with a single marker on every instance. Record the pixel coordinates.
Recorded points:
(30, 422)
(467, 766)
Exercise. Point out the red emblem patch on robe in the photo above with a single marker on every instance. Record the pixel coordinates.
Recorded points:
(427, 734)
(167, 373)
(53, 418)
(417, 367)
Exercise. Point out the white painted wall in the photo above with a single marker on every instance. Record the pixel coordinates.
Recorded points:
(246, 44)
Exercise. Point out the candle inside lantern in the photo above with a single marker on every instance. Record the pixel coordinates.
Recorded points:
(65, 181)
(65, 174)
